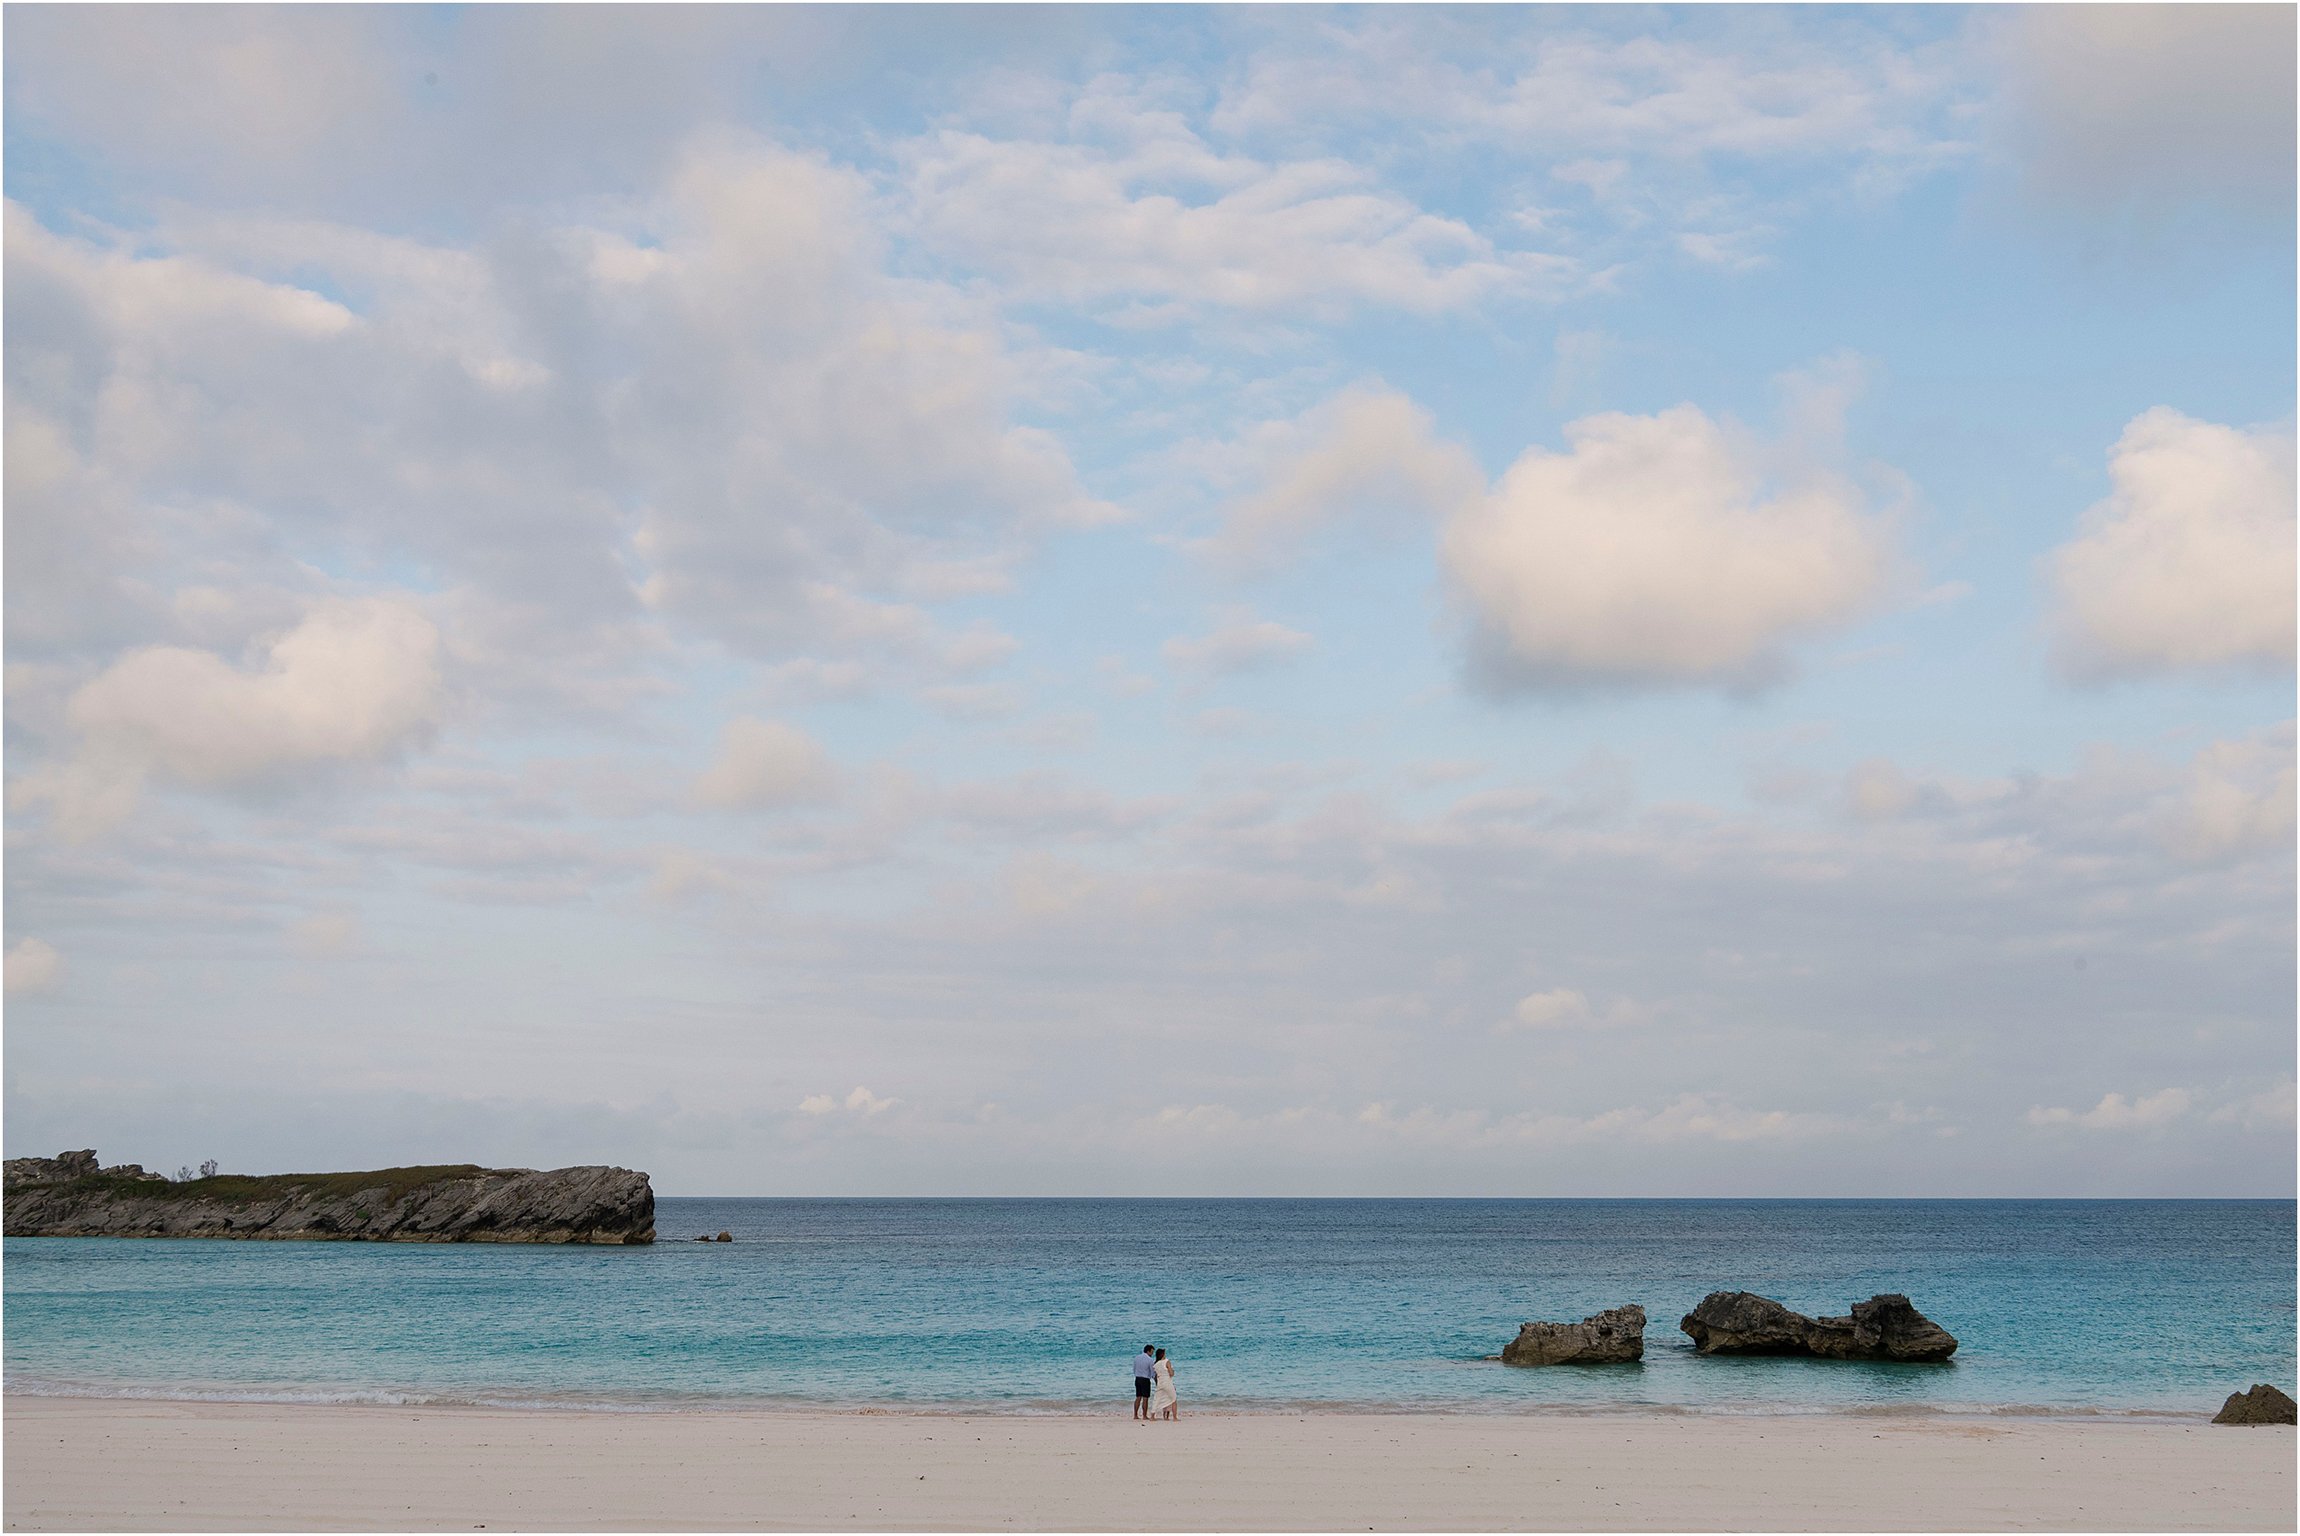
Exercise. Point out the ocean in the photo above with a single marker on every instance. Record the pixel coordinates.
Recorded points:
(2073, 1307)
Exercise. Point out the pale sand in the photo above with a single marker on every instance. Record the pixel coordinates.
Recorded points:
(81, 1464)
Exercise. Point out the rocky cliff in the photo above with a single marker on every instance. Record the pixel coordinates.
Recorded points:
(1881, 1328)
(69, 1195)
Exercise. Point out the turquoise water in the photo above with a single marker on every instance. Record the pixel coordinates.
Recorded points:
(2075, 1306)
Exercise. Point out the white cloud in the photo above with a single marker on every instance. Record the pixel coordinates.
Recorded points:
(766, 765)
(1706, 1117)
(730, 420)
(682, 873)
(861, 1101)
(1365, 452)
(1733, 250)
(2189, 562)
(33, 965)
(2238, 798)
(1877, 790)
(2116, 1113)
(1564, 1008)
(816, 448)
(356, 681)
(1138, 209)
(1855, 93)
(1243, 644)
(2272, 1109)
(1860, 97)
(1668, 549)
(1658, 550)
(1651, 124)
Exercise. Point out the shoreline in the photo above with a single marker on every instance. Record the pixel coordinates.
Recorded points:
(119, 1463)
(509, 1401)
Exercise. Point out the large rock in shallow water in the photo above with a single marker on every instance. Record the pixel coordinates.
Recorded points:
(1881, 1328)
(2262, 1405)
(1611, 1337)
(71, 1197)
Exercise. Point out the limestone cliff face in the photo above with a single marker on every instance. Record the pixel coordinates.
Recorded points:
(71, 1196)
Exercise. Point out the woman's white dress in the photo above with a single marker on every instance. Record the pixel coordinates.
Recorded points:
(1162, 1387)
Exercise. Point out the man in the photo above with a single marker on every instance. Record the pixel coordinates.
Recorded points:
(1145, 1367)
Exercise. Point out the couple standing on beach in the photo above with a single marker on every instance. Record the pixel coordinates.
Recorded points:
(1154, 1386)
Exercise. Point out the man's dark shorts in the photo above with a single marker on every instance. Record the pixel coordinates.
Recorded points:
(1141, 1386)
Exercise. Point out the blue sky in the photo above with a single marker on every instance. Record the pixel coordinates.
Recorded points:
(1502, 601)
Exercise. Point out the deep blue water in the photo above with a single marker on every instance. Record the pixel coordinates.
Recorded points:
(1019, 1304)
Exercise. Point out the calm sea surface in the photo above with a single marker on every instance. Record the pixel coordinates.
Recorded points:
(1037, 1304)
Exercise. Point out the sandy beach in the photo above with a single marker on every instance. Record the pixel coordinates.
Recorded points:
(75, 1464)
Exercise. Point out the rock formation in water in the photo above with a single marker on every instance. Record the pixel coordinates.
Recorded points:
(2262, 1405)
(1612, 1337)
(1881, 1328)
(71, 1196)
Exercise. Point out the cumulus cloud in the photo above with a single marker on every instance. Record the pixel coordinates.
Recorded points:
(1565, 1008)
(32, 965)
(729, 419)
(2114, 1112)
(1242, 644)
(1656, 550)
(357, 681)
(860, 1101)
(766, 765)
(2189, 562)
(855, 441)
(1659, 550)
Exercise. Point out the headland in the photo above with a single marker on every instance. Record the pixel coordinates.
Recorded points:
(72, 1195)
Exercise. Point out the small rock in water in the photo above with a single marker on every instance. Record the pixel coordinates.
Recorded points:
(702, 1237)
(2262, 1405)
(725, 1237)
(1612, 1337)
(1881, 1328)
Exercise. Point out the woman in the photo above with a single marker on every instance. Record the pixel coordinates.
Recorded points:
(1163, 1403)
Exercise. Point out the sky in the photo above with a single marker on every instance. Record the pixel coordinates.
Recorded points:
(957, 601)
